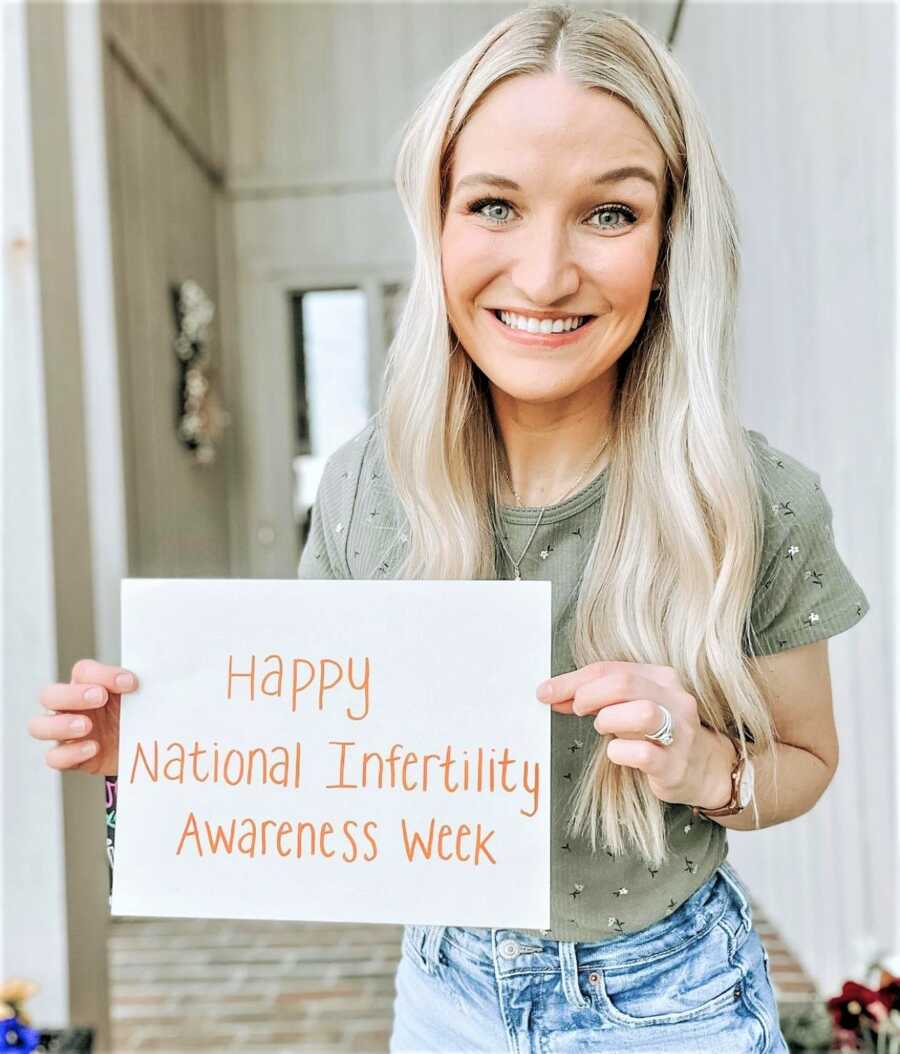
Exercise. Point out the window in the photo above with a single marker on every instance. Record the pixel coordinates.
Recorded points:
(331, 383)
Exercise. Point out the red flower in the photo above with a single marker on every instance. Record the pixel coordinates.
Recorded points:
(858, 1003)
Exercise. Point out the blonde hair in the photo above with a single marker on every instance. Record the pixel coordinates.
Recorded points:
(672, 570)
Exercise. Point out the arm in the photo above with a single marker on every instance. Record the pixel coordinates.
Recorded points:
(806, 753)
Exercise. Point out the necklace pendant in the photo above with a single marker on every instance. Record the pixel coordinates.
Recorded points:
(518, 577)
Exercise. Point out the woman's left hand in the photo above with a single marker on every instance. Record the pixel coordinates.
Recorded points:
(695, 769)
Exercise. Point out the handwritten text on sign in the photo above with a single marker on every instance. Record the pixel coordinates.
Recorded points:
(346, 751)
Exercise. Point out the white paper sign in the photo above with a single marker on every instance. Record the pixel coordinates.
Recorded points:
(345, 751)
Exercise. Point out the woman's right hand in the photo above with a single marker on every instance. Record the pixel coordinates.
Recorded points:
(83, 717)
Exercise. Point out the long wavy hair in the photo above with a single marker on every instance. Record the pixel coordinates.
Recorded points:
(671, 573)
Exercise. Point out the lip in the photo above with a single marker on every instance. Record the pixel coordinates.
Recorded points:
(539, 340)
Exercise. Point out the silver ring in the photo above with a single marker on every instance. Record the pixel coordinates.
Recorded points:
(663, 734)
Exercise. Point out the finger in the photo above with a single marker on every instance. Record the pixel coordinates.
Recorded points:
(639, 754)
(564, 685)
(74, 697)
(59, 727)
(631, 720)
(624, 686)
(113, 678)
(68, 755)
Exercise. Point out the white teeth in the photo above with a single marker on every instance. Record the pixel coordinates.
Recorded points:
(534, 325)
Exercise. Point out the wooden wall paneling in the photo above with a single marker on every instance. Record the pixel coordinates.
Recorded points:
(129, 219)
(165, 231)
(352, 96)
(161, 452)
(268, 417)
(309, 125)
(241, 28)
(796, 97)
(115, 155)
(212, 28)
(119, 18)
(191, 242)
(390, 88)
(167, 43)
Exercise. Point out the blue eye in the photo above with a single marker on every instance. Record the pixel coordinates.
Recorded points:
(478, 207)
(482, 203)
(621, 210)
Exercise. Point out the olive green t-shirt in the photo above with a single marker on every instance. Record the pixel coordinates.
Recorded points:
(804, 593)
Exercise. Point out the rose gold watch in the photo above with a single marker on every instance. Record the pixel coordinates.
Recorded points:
(741, 788)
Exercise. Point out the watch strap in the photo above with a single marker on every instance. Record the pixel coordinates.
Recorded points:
(734, 803)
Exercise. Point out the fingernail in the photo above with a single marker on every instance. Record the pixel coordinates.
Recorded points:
(124, 681)
(78, 725)
(87, 749)
(93, 695)
(545, 691)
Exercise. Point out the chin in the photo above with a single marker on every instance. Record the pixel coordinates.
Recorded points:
(531, 390)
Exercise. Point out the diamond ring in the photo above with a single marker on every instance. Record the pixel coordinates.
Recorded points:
(663, 734)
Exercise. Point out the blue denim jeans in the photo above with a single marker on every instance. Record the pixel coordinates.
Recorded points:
(694, 982)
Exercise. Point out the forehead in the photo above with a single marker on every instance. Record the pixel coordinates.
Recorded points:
(543, 121)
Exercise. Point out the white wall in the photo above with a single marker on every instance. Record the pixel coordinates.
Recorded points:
(32, 892)
(799, 98)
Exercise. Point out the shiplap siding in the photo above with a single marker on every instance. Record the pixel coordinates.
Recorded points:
(799, 100)
(163, 159)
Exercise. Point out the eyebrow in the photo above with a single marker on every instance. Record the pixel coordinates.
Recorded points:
(614, 175)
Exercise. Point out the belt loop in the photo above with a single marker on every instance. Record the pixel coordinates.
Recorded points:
(568, 965)
(431, 946)
(731, 877)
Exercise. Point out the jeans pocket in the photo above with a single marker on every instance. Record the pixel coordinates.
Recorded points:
(692, 982)
(411, 946)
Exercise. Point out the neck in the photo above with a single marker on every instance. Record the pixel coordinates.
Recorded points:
(548, 445)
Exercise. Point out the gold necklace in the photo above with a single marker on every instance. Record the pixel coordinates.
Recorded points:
(517, 563)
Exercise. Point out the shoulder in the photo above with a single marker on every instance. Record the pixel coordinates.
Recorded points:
(338, 494)
(360, 514)
(791, 495)
(344, 466)
(785, 481)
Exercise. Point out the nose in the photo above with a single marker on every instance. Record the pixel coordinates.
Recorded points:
(545, 269)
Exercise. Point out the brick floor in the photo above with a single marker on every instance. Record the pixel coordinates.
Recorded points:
(196, 984)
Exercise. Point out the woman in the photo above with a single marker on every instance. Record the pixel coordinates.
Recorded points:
(560, 404)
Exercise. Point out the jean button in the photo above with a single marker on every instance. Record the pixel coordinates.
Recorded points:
(509, 949)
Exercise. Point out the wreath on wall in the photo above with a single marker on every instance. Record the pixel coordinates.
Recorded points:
(201, 418)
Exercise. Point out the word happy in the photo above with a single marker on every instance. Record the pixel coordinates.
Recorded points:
(247, 680)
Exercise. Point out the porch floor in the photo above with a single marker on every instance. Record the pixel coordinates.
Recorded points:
(182, 985)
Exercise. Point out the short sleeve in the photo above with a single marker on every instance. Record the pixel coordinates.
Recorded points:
(805, 592)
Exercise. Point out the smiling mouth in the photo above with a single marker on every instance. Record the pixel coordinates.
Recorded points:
(536, 338)
(539, 327)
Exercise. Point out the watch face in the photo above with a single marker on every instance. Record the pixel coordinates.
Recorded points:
(745, 790)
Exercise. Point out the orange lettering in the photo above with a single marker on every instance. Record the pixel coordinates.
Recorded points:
(323, 687)
(152, 772)
(251, 675)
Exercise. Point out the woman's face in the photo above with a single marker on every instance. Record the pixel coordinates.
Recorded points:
(532, 228)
